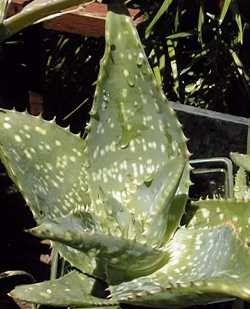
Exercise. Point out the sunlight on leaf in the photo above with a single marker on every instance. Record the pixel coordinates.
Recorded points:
(224, 10)
(166, 4)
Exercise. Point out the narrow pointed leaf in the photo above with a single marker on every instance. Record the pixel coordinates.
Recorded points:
(133, 134)
(207, 265)
(164, 7)
(224, 10)
(120, 259)
(74, 290)
(201, 20)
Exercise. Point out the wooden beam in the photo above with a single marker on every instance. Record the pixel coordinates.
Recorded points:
(16, 6)
(87, 20)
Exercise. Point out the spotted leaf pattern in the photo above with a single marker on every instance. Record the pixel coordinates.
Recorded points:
(136, 146)
(113, 203)
(46, 162)
(74, 288)
(232, 212)
(206, 265)
(120, 259)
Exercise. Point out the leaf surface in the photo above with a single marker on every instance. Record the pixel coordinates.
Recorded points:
(48, 165)
(74, 290)
(135, 143)
(206, 265)
(34, 12)
(116, 258)
(46, 162)
(214, 212)
(241, 160)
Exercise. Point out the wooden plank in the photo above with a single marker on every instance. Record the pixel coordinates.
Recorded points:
(87, 20)
(16, 6)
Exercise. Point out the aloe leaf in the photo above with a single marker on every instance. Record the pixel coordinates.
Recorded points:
(214, 212)
(74, 290)
(206, 265)
(46, 162)
(141, 135)
(34, 12)
(241, 160)
(119, 259)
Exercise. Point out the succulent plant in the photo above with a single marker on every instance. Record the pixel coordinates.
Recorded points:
(112, 203)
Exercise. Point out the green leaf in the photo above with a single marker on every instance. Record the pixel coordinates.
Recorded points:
(241, 189)
(214, 212)
(241, 70)
(133, 134)
(46, 162)
(179, 35)
(103, 307)
(201, 20)
(164, 7)
(3, 9)
(241, 160)
(48, 165)
(206, 265)
(34, 12)
(224, 10)
(74, 290)
(116, 258)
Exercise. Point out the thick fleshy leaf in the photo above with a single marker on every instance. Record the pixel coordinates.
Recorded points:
(207, 265)
(74, 290)
(134, 139)
(46, 162)
(116, 258)
(214, 212)
(241, 160)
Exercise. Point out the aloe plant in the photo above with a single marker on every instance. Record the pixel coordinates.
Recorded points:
(112, 203)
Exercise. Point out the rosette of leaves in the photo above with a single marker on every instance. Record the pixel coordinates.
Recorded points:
(112, 203)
